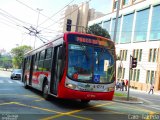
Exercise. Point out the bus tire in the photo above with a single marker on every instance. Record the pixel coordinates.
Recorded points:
(45, 91)
(85, 101)
(25, 84)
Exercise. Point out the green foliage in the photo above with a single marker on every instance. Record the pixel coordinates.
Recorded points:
(5, 61)
(98, 30)
(18, 54)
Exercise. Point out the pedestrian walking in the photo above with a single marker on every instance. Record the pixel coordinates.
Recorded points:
(117, 85)
(151, 89)
(123, 84)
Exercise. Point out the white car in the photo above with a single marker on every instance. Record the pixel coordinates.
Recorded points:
(16, 74)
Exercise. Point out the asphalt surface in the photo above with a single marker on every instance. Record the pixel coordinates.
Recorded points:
(18, 103)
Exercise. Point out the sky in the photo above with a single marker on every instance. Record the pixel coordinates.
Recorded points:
(16, 16)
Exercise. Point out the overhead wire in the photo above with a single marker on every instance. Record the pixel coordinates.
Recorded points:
(13, 17)
(31, 8)
(57, 12)
(65, 16)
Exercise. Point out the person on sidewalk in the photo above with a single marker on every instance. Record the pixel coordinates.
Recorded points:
(117, 85)
(123, 84)
(151, 89)
(126, 85)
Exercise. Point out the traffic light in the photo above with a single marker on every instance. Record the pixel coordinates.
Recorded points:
(134, 62)
(69, 24)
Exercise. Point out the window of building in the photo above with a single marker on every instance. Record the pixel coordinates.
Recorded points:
(123, 73)
(135, 74)
(116, 4)
(141, 25)
(155, 24)
(127, 28)
(106, 25)
(137, 53)
(126, 2)
(138, 74)
(120, 73)
(118, 29)
(112, 27)
(150, 78)
(123, 55)
(153, 55)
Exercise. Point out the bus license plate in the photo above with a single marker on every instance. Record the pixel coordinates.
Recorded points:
(99, 87)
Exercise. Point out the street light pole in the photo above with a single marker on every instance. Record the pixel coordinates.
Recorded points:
(37, 24)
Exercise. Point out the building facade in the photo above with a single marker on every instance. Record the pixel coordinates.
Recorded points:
(138, 35)
(80, 15)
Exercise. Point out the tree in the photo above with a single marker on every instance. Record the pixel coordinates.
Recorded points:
(98, 30)
(18, 55)
(6, 61)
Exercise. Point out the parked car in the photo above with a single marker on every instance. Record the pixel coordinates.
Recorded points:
(16, 74)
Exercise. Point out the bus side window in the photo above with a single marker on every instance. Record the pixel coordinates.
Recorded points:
(41, 60)
(48, 53)
(28, 63)
(47, 61)
(36, 62)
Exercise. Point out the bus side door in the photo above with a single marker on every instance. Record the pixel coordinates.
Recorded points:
(56, 69)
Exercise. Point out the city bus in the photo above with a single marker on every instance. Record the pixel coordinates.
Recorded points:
(72, 66)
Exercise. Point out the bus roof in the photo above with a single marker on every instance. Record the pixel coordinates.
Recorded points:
(64, 36)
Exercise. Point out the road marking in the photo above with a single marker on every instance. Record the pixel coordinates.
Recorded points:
(75, 111)
(19, 82)
(39, 100)
(30, 96)
(152, 106)
(9, 81)
(48, 110)
(35, 107)
(8, 103)
(137, 108)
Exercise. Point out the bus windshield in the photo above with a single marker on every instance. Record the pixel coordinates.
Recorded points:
(90, 64)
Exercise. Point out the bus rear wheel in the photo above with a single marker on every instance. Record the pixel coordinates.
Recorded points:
(45, 91)
(25, 84)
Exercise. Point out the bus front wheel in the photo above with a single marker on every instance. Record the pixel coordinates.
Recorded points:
(45, 91)
(85, 101)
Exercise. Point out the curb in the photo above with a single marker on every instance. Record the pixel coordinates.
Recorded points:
(128, 102)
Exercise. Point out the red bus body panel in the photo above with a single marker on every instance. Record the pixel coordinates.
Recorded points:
(83, 95)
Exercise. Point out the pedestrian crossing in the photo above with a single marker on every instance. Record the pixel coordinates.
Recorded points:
(10, 82)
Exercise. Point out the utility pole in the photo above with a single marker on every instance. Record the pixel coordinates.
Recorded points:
(129, 77)
(37, 25)
(116, 22)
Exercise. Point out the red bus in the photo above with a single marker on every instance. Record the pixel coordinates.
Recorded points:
(72, 66)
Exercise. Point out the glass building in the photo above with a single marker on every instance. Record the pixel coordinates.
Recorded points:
(137, 35)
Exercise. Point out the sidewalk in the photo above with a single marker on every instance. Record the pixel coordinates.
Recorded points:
(145, 92)
(139, 91)
(133, 99)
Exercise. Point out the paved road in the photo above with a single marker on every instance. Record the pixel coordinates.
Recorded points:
(16, 102)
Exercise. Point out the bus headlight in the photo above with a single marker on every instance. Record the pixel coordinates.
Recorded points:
(111, 89)
(71, 86)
